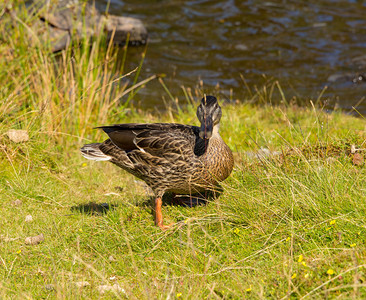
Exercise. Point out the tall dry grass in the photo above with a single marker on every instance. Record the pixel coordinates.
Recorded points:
(62, 95)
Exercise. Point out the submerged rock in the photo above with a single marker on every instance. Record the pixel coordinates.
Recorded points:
(347, 77)
(58, 22)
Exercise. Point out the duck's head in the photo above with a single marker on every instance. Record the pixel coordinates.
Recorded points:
(209, 114)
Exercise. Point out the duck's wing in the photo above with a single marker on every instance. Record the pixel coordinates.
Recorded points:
(164, 140)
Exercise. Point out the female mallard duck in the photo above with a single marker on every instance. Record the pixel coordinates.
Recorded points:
(169, 157)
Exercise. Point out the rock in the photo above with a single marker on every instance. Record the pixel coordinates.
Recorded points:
(34, 240)
(28, 218)
(18, 136)
(49, 287)
(241, 47)
(359, 78)
(123, 27)
(111, 258)
(338, 77)
(58, 22)
(358, 159)
(17, 202)
(347, 77)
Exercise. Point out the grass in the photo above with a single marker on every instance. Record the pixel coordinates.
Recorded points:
(288, 226)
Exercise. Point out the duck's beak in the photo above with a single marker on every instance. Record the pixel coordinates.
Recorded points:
(206, 128)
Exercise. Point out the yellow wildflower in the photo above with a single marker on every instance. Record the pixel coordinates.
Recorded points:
(330, 272)
(327, 229)
(19, 251)
(236, 230)
(81, 230)
(294, 276)
(303, 263)
(288, 239)
(306, 275)
(248, 289)
(332, 222)
(352, 245)
(301, 258)
(84, 164)
(178, 295)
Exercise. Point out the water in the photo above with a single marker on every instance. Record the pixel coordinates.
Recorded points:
(305, 45)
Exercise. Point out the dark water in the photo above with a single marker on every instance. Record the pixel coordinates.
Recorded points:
(305, 45)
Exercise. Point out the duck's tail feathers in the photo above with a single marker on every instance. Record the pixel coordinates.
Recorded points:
(92, 152)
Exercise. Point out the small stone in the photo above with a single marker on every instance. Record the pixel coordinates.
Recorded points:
(28, 218)
(17, 202)
(18, 136)
(81, 284)
(34, 240)
(111, 258)
(357, 159)
(49, 287)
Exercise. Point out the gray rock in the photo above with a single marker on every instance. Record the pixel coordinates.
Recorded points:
(241, 47)
(347, 77)
(61, 21)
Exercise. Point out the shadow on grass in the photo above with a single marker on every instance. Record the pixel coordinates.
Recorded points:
(93, 208)
(170, 199)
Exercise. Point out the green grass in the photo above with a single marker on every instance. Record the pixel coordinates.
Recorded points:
(247, 243)
(288, 226)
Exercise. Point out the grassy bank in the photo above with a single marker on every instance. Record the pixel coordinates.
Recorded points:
(291, 225)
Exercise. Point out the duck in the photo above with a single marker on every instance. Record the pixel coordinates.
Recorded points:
(169, 157)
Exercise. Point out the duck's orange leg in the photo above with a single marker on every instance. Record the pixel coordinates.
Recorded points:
(159, 215)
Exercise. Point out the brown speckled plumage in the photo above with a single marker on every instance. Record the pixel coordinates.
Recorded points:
(170, 157)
